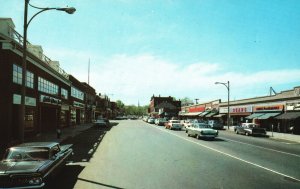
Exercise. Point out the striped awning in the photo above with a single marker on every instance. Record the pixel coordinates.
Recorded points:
(255, 115)
(268, 115)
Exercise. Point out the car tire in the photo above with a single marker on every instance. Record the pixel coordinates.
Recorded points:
(247, 134)
(237, 132)
(198, 137)
(188, 134)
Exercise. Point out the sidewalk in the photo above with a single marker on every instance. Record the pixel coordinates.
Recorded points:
(65, 134)
(275, 135)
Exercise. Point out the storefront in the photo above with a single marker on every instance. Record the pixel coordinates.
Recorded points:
(30, 122)
(77, 113)
(264, 115)
(49, 110)
(239, 113)
(289, 122)
(64, 115)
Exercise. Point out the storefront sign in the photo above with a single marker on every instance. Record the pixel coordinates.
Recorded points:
(268, 108)
(29, 101)
(78, 104)
(65, 107)
(223, 110)
(240, 109)
(49, 100)
(293, 106)
(196, 109)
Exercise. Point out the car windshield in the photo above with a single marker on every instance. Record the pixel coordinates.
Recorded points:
(26, 154)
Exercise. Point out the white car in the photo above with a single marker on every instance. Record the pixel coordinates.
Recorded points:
(173, 124)
(186, 124)
(202, 130)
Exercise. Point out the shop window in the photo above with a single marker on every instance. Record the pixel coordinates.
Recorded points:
(29, 119)
(63, 118)
(73, 117)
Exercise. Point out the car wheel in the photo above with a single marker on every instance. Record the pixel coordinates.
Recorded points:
(198, 137)
(247, 134)
(188, 134)
(236, 132)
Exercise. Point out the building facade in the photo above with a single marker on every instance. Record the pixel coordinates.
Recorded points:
(279, 112)
(53, 99)
(164, 107)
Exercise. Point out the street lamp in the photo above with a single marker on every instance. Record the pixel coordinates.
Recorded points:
(228, 89)
(69, 10)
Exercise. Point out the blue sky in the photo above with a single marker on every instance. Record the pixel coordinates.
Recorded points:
(172, 48)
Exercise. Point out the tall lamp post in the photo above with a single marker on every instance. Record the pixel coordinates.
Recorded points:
(69, 10)
(228, 89)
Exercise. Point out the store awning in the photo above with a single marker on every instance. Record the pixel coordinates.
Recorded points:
(219, 115)
(192, 114)
(203, 114)
(255, 115)
(211, 114)
(268, 115)
(289, 115)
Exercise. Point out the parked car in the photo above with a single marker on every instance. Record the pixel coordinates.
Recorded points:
(215, 124)
(202, 130)
(250, 129)
(29, 165)
(173, 124)
(186, 124)
(160, 121)
(145, 118)
(101, 122)
(151, 120)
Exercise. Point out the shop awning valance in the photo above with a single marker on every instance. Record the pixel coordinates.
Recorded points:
(255, 115)
(219, 115)
(203, 114)
(289, 115)
(192, 114)
(211, 114)
(268, 115)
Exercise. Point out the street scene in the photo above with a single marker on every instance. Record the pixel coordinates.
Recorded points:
(136, 154)
(136, 94)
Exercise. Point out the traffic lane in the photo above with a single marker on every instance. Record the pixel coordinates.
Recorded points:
(286, 164)
(135, 155)
(290, 147)
(261, 142)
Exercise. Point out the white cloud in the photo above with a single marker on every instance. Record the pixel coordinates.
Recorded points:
(137, 78)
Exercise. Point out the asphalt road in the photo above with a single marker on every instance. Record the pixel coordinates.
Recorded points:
(135, 154)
